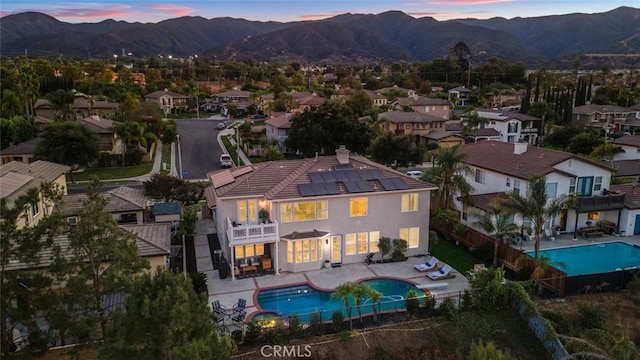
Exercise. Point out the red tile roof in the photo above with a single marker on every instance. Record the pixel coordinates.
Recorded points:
(629, 140)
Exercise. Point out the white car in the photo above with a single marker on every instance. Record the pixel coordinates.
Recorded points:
(416, 174)
(225, 161)
(221, 126)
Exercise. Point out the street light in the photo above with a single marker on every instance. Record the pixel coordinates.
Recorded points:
(179, 156)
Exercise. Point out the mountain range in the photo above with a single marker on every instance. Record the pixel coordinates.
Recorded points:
(552, 41)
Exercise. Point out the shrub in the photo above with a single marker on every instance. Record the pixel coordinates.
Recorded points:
(480, 351)
(199, 283)
(592, 316)
(399, 249)
(413, 302)
(449, 310)
(276, 336)
(315, 324)
(252, 335)
(295, 328)
(385, 246)
(133, 156)
(633, 289)
(337, 319)
(460, 229)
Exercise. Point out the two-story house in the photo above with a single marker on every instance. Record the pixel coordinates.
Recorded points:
(459, 96)
(440, 108)
(410, 123)
(83, 106)
(299, 213)
(277, 128)
(240, 98)
(109, 141)
(126, 204)
(377, 98)
(170, 102)
(500, 167)
(512, 126)
(630, 144)
(610, 118)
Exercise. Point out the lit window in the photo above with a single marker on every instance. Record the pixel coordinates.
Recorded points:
(290, 252)
(593, 216)
(358, 207)
(350, 244)
(374, 240)
(259, 249)
(303, 211)
(409, 202)
(249, 251)
(298, 247)
(239, 251)
(285, 212)
(363, 243)
(314, 250)
(242, 211)
(412, 236)
(305, 250)
(322, 209)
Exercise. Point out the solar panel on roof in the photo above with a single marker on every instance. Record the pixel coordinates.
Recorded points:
(399, 183)
(352, 187)
(318, 189)
(341, 176)
(364, 185)
(387, 184)
(376, 173)
(353, 174)
(364, 174)
(328, 177)
(305, 190)
(315, 177)
(332, 188)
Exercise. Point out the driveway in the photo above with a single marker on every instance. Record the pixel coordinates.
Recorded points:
(199, 148)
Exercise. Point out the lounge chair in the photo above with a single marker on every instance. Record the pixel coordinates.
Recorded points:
(430, 265)
(218, 308)
(444, 273)
(239, 306)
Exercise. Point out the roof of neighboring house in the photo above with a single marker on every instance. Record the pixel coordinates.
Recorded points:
(160, 93)
(499, 156)
(73, 204)
(485, 132)
(482, 201)
(290, 179)
(408, 117)
(374, 95)
(394, 88)
(635, 107)
(628, 140)
(311, 100)
(79, 102)
(98, 125)
(632, 194)
(280, 122)
(421, 101)
(151, 239)
(170, 208)
(456, 126)
(41, 120)
(25, 147)
(460, 89)
(439, 135)
(593, 108)
(133, 195)
(234, 93)
(17, 177)
(503, 115)
(627, 167)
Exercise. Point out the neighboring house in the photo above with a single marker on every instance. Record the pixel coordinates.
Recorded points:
(459, 96)
(123, 203)
(512, 126)
(627, 169)
(277, 128)
(170, 102)
(630, 214)
(308, 103)
(440, 108)
(410, 92)
(167, 212)
(83, 106)
(240, 99)
(443, 139)
(631, 146)
(505, 98)
(109, 142)
(22, 152)
(410, 123)
(377, 98)
(16, 178)
(484, 134)
(299, 213)
(500, 167)
(610, 118)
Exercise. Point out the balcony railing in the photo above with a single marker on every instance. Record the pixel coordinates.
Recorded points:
(600, 203)
(239, 234)
(528, 130)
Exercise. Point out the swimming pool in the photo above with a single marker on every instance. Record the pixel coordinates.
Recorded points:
(594, 258)
(303, 299)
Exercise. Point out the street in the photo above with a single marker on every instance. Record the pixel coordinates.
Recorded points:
(199, 149)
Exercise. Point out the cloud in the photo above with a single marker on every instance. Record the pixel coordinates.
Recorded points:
(174, 10)
(466, 2)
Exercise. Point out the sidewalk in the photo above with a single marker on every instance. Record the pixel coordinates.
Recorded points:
(225, 132)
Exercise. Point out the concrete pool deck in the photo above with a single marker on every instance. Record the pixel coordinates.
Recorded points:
(228, 292)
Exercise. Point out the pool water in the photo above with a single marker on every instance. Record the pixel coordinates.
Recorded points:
(304, 299)
(594, 258)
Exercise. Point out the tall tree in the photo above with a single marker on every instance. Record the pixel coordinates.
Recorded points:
(536, 206)
(69, 143)
(449, 174)
(400, 150)
(164, 318)
(495, 222)
(607, 151)
(344, 292)
(62, 104)
(163, 186)
(100, 259)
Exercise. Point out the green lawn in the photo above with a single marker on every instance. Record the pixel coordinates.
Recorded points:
(110, 173)
(232, 151)
(458, 256)
(166, 158)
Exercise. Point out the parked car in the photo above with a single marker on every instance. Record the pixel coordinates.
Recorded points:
(221, 125)
(416, 174)
(225, 161)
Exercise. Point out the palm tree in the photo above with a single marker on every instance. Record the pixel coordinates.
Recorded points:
(449, 174)
(375, 297)
(472, 122)
(344, 292)
(607, 151)
(539, 266)
(494, 221)
(536, 206)
(360, 291)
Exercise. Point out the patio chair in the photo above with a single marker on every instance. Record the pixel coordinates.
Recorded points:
(239, 316)
(239, 306)
(218, 308)
(429, 265)
(444, 273)
(219, 318)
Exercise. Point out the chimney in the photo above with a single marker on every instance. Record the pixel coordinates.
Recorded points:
(520, 147)
(342, 154)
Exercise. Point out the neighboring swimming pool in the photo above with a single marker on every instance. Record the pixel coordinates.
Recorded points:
(594, 258)
(304, 299)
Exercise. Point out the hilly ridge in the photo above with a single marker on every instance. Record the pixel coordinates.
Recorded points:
(392, 35)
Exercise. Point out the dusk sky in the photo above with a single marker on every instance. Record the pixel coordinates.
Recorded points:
(294, 10)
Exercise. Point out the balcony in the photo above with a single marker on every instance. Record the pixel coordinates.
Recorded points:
(599, 203)
(241, 234)
(529, 130)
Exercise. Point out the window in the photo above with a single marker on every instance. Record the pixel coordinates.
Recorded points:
(409, 202)
(511, 139)
(358, 207)
(374, 240)
(597, 184)
(72, 221)
(551, 189)
(593, 216)
(350, 244)
(527, 224)
(512, 127)
(243, 251)
(26, 214)
(464, 211)
(303, 211)
(516, 186)
(508, 182)
(322, 209)
(572, 185)
(35, 208)
(304, 251)
(411, 235)
(290, 252)
(479, 176)
(363, 243)
(285, 212)
(247, 211)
